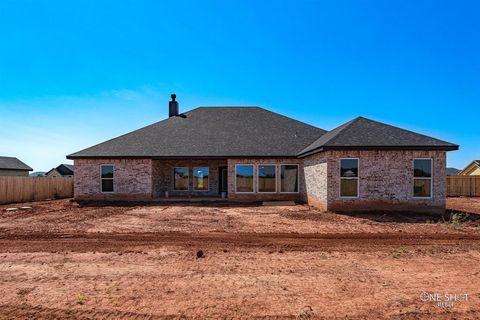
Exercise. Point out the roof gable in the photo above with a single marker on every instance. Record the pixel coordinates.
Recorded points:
(13, 163)
(472, 166)
(212, 132)
(362, 133)
(65, 169)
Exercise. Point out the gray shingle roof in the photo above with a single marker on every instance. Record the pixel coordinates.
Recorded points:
(212, 132)
(362, 133)
(65, 169)
(13, 163)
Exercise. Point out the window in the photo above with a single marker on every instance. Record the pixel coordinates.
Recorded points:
(244, 178)
(289, 178)
(180, 179)
(422, 178)
(200, 178)
(107, 178)
(349, 178)
(267, 178)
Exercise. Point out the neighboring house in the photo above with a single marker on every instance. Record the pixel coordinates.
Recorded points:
(10, 166)
(452, 171)
(38, 174)
(253, 154)
(473, 169)
(63, 170)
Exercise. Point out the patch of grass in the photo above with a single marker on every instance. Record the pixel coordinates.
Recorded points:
(81, 299)
(399, 252)
(457, 218)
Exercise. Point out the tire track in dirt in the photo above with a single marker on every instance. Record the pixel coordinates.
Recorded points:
(108, 242)
(25, 311)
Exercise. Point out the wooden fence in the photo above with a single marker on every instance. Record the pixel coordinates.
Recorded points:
(23, 189)
(467, 186)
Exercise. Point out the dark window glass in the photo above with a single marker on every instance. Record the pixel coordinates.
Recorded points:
(289, 178)
(107, 185)
(349, 177)
(422, 181)
(200, 178)
(244, 178)
(422, 168)
(107, 178)
(349, 187)
(181, 177)
(266, 178)
(107, 172)
(422, 188)
(349, 168)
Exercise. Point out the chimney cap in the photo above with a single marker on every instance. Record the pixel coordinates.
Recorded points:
(173, 96)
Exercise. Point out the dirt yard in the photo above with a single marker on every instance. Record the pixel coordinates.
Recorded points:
(63, 261)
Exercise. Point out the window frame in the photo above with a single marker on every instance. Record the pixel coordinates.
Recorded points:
(253, 180)
(258, 177)
(173, 180)
(280, 177)
(349, 178)
(193, 179)
(422, 178)
(102, 178)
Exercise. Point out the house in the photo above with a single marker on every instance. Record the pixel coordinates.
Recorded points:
(252, 154)
(473, 169)
(37, 174)
(452, 171)
(63, 170)
(10, 166)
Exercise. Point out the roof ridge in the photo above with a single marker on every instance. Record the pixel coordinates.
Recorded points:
(363, 132)
(227, 106)
(341, 128)
(334, 134)
(402, 129)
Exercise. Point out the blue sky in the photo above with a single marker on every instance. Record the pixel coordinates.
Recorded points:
(75, 73)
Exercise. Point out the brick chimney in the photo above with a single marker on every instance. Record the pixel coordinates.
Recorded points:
(173, 106)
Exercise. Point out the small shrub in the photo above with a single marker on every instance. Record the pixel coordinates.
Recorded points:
(82, 298)
(456, 219)
(306, 313)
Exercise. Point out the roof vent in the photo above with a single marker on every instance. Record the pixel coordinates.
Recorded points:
(173, 106)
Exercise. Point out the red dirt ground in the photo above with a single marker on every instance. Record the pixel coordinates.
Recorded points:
(60, 260)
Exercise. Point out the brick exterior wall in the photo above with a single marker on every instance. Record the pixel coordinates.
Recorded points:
(385, 181)
(256, 196)
(163, 177)
(132, 179)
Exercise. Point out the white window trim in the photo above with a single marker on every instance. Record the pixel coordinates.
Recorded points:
(280, 177)
(349, 178)
(424, 178)
(253, 180)
(101, 178)
(193, 179)
(173, 180)
(258, 177)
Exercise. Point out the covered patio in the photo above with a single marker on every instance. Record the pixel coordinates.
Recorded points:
(180, 180)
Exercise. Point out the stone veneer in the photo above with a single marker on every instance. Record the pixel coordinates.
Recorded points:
(385, 181)
(256, 196)
(132, 179)
(315, 172)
